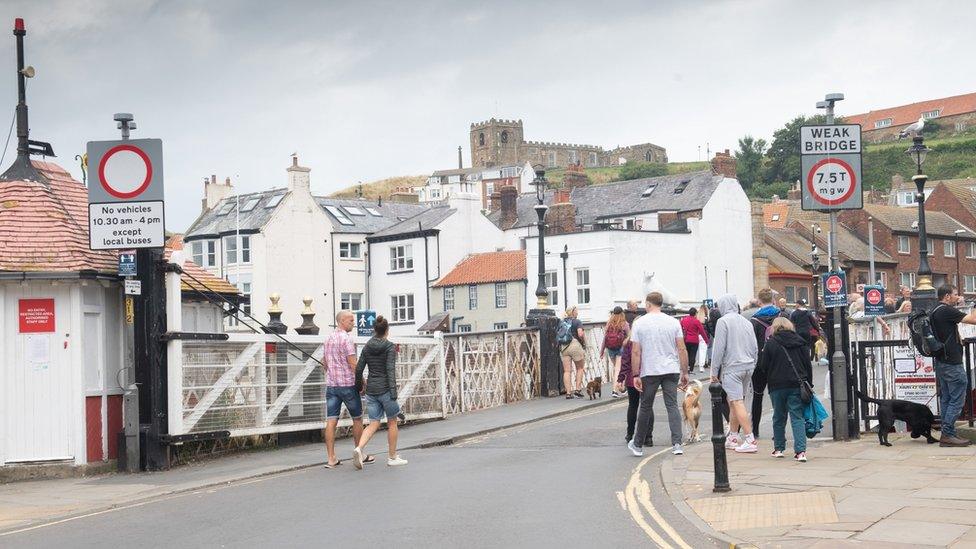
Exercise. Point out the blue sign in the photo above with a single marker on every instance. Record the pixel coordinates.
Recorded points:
(709, 303)
(364, 322)
(127, 263)
(874, 304)
(835, 289)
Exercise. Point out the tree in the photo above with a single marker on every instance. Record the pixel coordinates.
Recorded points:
(749, 160)
(783, 156)
(640, 170)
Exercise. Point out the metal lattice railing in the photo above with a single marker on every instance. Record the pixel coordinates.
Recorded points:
(488, 369)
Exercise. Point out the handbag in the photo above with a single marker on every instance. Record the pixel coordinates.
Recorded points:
(806, 390)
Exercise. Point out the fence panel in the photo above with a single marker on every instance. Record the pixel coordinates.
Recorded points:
(488, 369)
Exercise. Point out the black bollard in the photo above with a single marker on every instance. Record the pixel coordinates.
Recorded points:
(718, 440)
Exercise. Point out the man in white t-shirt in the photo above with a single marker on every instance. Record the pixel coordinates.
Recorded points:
(659, 359)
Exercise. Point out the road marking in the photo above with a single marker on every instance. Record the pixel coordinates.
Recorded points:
(623, 500)
(638, 495)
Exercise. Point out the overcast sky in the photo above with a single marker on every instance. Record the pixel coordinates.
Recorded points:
(367, 90)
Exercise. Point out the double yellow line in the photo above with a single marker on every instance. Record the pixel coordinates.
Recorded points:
(637, 501)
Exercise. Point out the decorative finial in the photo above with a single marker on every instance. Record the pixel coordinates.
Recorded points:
(275, 308)
(308, 305)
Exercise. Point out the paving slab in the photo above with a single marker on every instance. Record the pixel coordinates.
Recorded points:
(913, 532)
(931, 514)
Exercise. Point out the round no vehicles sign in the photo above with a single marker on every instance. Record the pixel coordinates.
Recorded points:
(834, 284)
(831, 181)
(125, 171)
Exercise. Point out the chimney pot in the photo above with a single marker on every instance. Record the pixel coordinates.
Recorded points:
(227, 181)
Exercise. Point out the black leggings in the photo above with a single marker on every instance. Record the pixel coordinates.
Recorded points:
(692, 355)
(633, 402)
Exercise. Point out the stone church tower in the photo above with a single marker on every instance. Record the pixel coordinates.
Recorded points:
(496, 142)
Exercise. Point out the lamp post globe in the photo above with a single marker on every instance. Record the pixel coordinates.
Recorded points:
(923, 297)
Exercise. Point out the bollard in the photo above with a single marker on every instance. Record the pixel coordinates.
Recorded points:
(718, 440)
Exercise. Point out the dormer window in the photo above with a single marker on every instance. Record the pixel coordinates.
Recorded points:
(883, 123)
(929, 115)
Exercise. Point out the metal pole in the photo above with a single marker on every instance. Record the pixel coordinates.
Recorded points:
(721, 466)
(540, 291)
(959, 285)
(871, 276)
(565, 257)
(838, 361)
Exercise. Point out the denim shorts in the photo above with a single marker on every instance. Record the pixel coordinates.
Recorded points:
(614, 353)
(378, 405)
(335, 397)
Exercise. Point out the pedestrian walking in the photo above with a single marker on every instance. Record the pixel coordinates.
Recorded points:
(806, 324)
(572, 350)
(379, 355)
(783, 365)
(632, 312)
(762, 322)
(693, 329)
(340, 381)
(713, 316)
(626, 379)
(733, 362)
(949, 371)
(615, 334)
(658, 360)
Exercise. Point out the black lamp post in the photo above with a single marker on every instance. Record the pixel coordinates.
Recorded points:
(959, 283)
(815, 267)
(923, 298)
(542, 296)
(542, 317)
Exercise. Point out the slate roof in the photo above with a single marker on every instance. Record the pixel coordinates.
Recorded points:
(45, 227)
(392, 213)
(457, 171)
(783, 258)
(486, 268)
(212, 224)
(600, 202)
(904, 220)
(907, 114)
(430, 218)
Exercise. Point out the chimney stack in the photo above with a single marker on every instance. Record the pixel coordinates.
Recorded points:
(214, 192)
(495, 201)
(298, 178)
(460, 161)
(509, 201)
(724, 164)
(561, 217)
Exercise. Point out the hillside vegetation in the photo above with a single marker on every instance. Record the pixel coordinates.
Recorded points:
(382, 188)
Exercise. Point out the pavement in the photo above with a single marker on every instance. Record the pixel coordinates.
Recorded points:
(32, 503)
(849, 494)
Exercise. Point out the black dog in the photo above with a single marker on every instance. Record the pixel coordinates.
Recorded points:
(917, 417)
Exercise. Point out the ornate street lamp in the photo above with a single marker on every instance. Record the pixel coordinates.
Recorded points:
(540, 183)
(542, 317)
(815, 267)
(923, 298)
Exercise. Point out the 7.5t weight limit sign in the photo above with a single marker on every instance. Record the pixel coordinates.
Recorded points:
(830, 161)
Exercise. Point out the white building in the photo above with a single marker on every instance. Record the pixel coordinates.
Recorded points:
(443, 184)
(687, 234)
(407, 258)
(287, 241)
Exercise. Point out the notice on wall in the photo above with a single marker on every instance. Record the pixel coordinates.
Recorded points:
(914, 378)
(35, 316)
(37, 351)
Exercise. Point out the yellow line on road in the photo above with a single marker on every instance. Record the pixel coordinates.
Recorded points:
(638, 495)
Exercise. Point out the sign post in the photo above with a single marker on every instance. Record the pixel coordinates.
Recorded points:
(835, 289)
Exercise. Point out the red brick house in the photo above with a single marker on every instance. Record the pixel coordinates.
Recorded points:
(956, 113)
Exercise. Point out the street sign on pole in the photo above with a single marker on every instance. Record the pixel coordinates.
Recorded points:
(835, 289)
(830, 164)
(127, 263)
(364, 323)
(125, 198)
(874, 300)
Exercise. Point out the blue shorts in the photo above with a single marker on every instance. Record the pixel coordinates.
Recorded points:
(377, 406)
(335, 397)
(614, 353)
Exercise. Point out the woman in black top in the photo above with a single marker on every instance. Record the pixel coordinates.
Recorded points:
(783, 364)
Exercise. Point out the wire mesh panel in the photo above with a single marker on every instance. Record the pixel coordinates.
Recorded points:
(595, 367)
(488, 369)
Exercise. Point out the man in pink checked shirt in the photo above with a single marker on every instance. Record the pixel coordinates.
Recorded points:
(340, 378)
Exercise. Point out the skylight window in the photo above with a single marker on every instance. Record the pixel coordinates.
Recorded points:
(681, 187)
(226, 208)
(337, 213)
(775, 217)
(351, 210)
(647, 192)
(275, 200)
(374, 212)
(250, 204)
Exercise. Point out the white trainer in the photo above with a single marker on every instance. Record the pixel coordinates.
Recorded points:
(396, 462)
(677, 450)
(639, 452)
(731, 442)
(747, 447)
(357, 457)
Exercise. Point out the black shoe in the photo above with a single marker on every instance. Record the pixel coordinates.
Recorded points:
(578, 394)
(648, 442)
(570, 396)
(628, 437)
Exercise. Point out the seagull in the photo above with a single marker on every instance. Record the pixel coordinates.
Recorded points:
(915, 128)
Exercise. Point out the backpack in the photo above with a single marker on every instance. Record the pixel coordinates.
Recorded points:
(768, 333)
(614, 339)
(923, 336)
(564, 335)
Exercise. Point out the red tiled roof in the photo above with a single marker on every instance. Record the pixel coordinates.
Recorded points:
(207, 282)
(775, 214)
(45, 227)
(906, 114)
(486, 268)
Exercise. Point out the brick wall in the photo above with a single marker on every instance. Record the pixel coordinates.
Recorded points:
(760, 261)
(724, 164)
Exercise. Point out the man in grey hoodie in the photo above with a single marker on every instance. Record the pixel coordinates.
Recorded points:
(734, 357)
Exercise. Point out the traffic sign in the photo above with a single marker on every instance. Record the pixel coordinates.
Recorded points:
(830, 163)
(874, 301)
(133, 287)
(127, 263)
(364, 322)
(125, 197)
(835, 289)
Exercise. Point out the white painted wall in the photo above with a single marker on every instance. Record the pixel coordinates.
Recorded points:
(726, 242)
(350, 274)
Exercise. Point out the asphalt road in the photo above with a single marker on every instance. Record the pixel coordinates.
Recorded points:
(563, 482)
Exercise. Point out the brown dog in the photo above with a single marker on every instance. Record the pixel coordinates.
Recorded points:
(593, 388)
(691, 407)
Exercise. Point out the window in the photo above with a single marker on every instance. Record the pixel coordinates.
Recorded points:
(906, 198)
(949, 248)
(682, 186)
(197, 248)
(969, 284)
(337, 213)
(908, 279)
(245, 249)
(582, 286)
(630, 224)
(775, 217)
(931, 246)
(226, 208)
(464, 328)
(971, 252)
(472, 297)
(929, 115)
(211, 256)
(435, 193)
(552, 286)
(504, 136)
(647, 192)
(204, 252)
(883, 279)
(373, 212)
(402, 307)
(243, 283)
(230, 251)
(351, 210)
(648, 156)
(275, 200)
(803, 293)
(573, 157)
(500, 326)
(481, 139)
(593, 161)
(350, 301)
(350, 250)
(489, 188)
(904, 245)
(551, 160)
(250, 204)
(501, 295)
(790, 292)
(884, 123)
(448, 299)
(401, 258)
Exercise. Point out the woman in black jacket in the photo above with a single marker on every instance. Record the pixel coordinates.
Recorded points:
(379, 355)
(783, 364)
